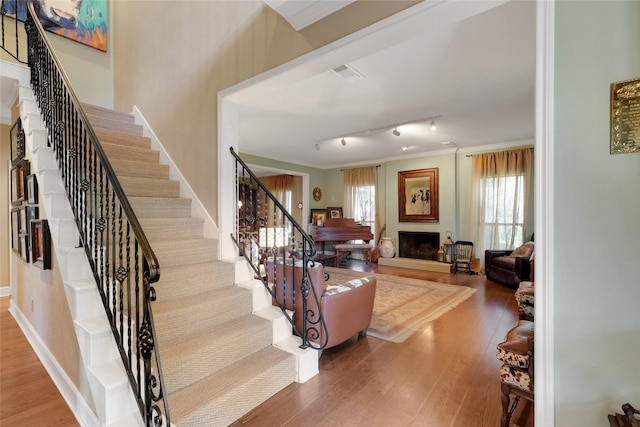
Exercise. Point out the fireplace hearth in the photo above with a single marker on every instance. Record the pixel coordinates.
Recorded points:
(418, 245)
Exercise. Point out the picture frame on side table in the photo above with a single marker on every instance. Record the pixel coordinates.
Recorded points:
(41, 244)
(334, 212)
(418, 195)
(318, 215)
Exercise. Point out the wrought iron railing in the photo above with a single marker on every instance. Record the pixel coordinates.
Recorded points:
(123, 263)
(266, 234)
(10, 28)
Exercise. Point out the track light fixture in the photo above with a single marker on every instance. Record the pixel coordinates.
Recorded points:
(317, 147)
(343, 142)
(433, 125)
(396, 132)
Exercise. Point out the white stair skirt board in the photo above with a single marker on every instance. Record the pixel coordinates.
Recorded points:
(102, 374)
(68, 390)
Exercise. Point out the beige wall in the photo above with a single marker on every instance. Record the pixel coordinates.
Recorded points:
(172, 58)
(5, 239)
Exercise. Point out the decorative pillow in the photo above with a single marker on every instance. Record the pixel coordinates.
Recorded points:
(524, 250)
(345, 287)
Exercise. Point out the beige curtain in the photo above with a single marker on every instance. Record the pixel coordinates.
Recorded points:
(280, 187)
(499, 198)
(361, 196)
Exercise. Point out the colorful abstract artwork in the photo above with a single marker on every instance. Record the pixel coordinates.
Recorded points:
(84, 21)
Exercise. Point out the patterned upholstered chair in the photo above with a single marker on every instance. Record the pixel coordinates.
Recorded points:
(516, 373)
(525, 297)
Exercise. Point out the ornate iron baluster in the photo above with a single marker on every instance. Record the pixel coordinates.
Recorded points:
(262, 216)
(105, 220)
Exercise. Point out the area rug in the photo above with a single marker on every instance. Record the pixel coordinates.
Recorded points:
(404, 306)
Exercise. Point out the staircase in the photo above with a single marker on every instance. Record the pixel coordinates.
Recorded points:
(217, 355)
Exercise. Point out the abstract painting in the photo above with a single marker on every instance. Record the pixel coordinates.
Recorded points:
(84, 21)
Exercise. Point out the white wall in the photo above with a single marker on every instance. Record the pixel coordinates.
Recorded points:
(596, 216)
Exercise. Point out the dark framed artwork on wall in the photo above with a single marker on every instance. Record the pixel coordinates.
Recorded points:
(41, 244)
(17, 142)
(19, 174)
(418, 195)
(32, 189)
(15, 230)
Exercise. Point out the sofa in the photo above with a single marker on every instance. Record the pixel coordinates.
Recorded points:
(509, 267)
(346, 308)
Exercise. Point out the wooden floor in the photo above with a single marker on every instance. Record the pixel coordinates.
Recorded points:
(445, 375)
(28, 396)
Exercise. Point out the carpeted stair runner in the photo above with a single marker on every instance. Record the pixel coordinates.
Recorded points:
(217, 358)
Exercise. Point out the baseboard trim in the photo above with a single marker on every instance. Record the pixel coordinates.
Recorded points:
(76, 402)
(5, 291)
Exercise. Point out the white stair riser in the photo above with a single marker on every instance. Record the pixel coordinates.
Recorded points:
(25, 92)
(111, 401)
(37, 138)
(84, 303)
(64, 232)
(74, 266)
(32, 121)
(49, 181)
(56, 205)
(42, 158)
(96, 344)
(28, 106)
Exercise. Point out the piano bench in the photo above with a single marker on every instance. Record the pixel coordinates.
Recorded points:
(365, 248)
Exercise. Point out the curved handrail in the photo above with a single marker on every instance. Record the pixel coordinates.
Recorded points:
(311, 321)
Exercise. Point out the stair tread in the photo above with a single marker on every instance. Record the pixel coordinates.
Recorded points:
(224, 385)
(174, 348)
(114, 136)
(187, 359)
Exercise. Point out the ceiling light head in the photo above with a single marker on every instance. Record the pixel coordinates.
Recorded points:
(343, 142)
(396, 132)
(317, 147)
(405, 148)
(433, 125)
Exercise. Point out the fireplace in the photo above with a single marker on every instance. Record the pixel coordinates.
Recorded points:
(418, 245)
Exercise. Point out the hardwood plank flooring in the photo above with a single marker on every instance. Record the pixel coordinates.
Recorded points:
(28, 396)
(444, 375)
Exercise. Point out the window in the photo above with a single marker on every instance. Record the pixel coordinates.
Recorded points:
(503, 214)
(499, 197)
(360, 195)
(364, 197)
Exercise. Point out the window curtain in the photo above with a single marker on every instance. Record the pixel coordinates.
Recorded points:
(361, 196)
(280, 187)
(499, 198)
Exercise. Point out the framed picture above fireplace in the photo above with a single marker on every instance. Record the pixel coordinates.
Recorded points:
(418, 195)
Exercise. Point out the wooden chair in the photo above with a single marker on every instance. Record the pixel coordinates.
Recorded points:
(462, 256)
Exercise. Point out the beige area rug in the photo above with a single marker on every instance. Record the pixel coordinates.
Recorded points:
(404, 306)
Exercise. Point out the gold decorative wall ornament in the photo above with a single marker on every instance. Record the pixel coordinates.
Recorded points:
(317, 194)
(625, 117)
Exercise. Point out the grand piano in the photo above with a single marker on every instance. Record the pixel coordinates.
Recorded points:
(341, 230)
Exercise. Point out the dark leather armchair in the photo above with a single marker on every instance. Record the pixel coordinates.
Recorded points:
(507, 267)
(347, 308)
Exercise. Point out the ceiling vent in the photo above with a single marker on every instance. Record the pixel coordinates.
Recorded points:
(347, 72)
